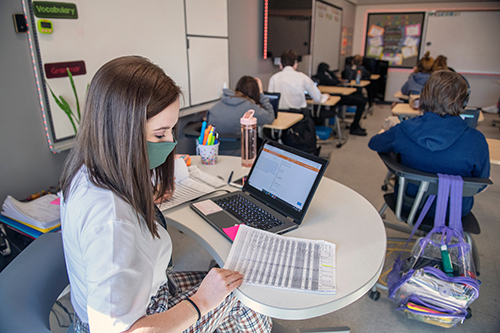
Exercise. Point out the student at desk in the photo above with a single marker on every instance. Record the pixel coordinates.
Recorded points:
(327, 78)
(350, 72)
(248, 95)
(441, 64)
(439, 141)
(293, 85)
(115, 249)
(419, 77)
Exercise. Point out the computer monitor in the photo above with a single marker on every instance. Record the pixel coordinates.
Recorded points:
(274, 99)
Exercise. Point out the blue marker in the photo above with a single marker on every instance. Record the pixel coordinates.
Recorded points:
(203, 128)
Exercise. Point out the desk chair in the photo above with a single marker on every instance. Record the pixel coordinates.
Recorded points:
(31, 284)
(332, 116)
(427, 185)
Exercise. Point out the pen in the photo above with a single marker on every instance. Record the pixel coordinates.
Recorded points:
(211, 137)
(205, 138)
(230, 177)
(202, 133)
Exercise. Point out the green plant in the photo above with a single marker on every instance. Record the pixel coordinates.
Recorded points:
(73, 118)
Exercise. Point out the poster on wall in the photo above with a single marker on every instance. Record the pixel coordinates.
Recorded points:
(346, 47)
(394, 37)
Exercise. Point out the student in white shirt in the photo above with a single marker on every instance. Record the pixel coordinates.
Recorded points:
(292, 84)
(116, 251)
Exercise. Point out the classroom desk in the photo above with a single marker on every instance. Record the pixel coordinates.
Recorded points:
(481, 117)
(374, 77)
(334, 90)
(337, 214)
(400, 95)
(404, 109)
(494, 147)
(285, 120)
(352, 83)
(329, 102)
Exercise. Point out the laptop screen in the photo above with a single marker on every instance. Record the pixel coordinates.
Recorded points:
(285, 177)
(274, 99)
(470, 116)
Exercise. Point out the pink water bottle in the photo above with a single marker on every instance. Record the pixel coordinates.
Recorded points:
(248, 138)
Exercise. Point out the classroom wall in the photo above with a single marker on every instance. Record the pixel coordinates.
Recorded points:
(26, 163)
(484, 88)
(245, 40)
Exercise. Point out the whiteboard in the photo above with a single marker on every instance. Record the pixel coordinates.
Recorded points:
(208, 68)
(469, 39)
(326, 35)
(207, 17)
(104, 30)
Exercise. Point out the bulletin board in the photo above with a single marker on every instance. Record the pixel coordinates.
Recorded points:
(395, 37)
(326, 35)
(89, 33)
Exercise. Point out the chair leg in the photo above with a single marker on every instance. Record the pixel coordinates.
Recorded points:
(382, 210)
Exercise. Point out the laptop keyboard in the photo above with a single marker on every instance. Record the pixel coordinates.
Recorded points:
(248, 212)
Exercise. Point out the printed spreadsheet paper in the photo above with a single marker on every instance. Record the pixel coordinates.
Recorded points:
(282, 262)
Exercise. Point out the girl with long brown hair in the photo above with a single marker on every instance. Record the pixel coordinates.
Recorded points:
(248, 95)
(116, 251)
(419, 77)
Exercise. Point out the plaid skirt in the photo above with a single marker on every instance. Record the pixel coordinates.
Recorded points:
(230, 316)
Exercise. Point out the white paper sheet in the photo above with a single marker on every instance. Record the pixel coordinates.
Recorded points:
(39, 213)
(282, 262)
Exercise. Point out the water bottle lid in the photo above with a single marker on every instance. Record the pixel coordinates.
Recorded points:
(248, 118)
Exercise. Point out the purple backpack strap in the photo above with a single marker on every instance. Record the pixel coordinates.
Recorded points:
(457, 185)
(442, 200)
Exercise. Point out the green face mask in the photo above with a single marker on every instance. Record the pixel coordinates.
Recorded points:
(158, 152)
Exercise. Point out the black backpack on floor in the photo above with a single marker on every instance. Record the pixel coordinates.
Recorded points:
(302, 135)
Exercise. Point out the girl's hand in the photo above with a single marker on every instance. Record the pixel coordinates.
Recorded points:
(259, 83)
(215, 287)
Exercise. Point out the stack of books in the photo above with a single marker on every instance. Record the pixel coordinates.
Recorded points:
(32, 218)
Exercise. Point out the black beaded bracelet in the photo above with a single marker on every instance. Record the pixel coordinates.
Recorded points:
(195, 307)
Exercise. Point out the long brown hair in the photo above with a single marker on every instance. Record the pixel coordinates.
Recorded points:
(444, 93)
(111, 141)
(247, 87)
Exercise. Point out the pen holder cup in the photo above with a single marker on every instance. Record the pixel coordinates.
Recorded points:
(208, 153)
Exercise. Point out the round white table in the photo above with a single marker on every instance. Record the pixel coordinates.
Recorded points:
(337, 214)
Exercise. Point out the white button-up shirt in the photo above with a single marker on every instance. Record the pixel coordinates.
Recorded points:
(293, 85)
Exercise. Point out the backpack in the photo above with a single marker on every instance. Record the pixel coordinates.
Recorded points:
(302, 135)
(437, 283)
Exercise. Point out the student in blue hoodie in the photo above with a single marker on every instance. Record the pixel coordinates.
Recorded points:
(439, 141)
(421, 74)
